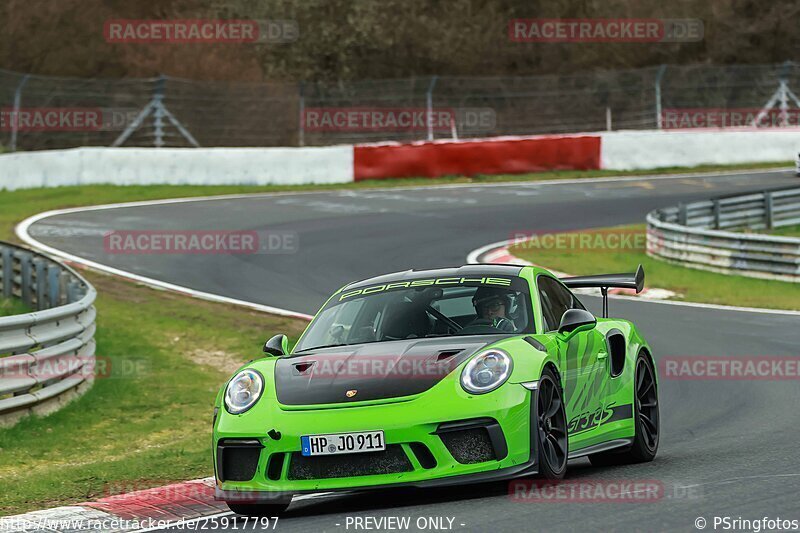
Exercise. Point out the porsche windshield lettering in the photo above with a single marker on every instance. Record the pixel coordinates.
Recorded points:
(501, 282)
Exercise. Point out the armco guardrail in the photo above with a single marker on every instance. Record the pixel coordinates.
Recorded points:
(698, 235)
(46, 356)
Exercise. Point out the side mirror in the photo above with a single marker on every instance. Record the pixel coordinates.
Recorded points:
(576, 320)
(277, 345)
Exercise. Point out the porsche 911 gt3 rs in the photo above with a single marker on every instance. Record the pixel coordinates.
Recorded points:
(438, 377)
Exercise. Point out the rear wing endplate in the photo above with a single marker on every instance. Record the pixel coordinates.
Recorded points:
(605, 281)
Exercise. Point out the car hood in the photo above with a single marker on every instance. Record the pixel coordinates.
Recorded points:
(372, 371)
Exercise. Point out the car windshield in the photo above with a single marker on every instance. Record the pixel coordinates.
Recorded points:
(402, 310)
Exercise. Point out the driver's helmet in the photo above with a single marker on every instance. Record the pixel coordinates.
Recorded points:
(485, 296)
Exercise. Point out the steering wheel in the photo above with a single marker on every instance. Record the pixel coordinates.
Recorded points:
(455, 326)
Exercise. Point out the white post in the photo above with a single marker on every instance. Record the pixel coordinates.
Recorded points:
(784, 103)
(659, 76)
(15, 116)
(429, 113)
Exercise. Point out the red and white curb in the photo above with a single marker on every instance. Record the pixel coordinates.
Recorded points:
(141, 510)
(177, 505)
(498, 253)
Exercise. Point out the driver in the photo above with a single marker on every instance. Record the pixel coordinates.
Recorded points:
(491, 305)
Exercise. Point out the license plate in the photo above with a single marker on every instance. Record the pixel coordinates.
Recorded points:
(365, 441)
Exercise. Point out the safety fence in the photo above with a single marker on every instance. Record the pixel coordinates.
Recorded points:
(42, 112)
(46, 355)
(701, 235)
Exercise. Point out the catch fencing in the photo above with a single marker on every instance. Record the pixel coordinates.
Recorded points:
(47, 354)
(701, 235)
(173, 112)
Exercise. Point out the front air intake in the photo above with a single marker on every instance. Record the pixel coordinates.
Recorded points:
(237, 459)
(474, 441)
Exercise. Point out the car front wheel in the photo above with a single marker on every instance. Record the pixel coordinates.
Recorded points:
(551, 443)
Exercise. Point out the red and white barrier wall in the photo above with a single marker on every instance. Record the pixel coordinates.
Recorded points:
(501, 155)
(619, 150)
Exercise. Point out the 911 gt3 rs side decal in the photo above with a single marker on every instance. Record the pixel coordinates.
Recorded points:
(584, 381)
(590, 420)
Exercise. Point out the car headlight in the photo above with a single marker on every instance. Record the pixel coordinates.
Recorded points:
(486, 371)
(243, 391)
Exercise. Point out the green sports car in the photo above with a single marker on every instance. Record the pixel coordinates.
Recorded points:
(437, 377)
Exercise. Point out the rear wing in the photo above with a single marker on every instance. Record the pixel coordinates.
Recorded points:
(605, 281)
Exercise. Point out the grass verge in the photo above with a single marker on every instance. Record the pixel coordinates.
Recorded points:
(788, 231)
(603, 251)
(12, 306)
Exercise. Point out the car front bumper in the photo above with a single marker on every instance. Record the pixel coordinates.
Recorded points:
(468, 438)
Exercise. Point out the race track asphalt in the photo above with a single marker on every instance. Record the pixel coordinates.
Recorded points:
(728, 448)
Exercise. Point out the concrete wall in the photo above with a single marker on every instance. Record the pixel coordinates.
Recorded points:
(618, 150)
(196, 166)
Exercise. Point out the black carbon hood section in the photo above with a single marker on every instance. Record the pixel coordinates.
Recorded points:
(373, 371)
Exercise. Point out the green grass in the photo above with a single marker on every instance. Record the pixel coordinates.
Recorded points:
(788, 231)
(691, 285)
(12, 306)
(150, 427)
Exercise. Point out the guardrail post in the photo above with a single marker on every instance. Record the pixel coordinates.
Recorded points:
(63, 280)
(717, 213)
(25, 278)
(72, 292)
(8, 272)
(53, 273)
(768, 210)
(41, 284)
(683, 214)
